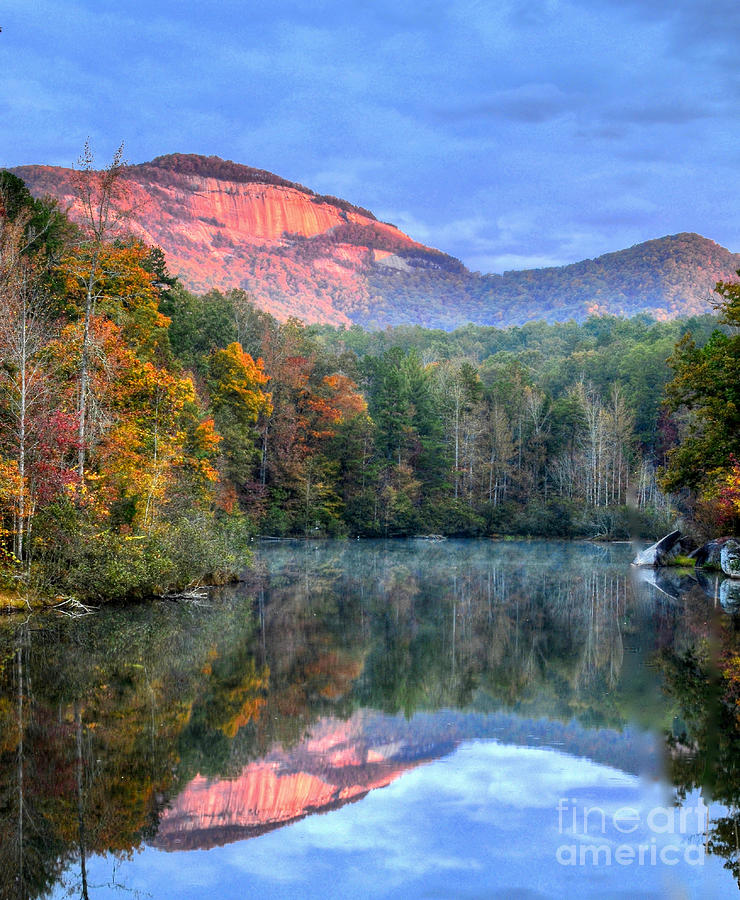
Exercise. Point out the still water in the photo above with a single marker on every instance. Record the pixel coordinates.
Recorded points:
(380, 719)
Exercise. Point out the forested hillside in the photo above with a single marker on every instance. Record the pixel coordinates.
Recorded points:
(223, 225)
(667, 277)
(543, 429)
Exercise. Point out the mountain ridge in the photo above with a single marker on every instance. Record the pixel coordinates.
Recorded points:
(225, 225)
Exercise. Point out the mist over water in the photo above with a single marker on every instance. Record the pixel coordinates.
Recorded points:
(449, 708)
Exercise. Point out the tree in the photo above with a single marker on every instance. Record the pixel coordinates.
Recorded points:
(705, 394)
(25, 386)
(100, 198)
(238, 399)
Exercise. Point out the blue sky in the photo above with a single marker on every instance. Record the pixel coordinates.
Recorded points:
(510, 134)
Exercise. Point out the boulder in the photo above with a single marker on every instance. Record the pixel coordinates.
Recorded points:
(709, 554)
(710, 582)
(662, 553)
(730, 558)
(671, 582)
(729, 595)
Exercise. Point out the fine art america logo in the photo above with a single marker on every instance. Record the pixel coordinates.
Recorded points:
(593, 836)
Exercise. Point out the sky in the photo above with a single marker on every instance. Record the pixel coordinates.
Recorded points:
(509, 134)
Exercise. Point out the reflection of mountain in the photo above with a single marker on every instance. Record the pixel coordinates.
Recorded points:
(340, 762)
(289, 696)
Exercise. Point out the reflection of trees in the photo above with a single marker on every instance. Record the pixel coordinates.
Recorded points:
(704, 753)
(30, 842)
(90, 713)
(500, 632)
(103, 719)
(459, 623)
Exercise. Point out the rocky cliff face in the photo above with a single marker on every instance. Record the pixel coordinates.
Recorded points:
(224, 225)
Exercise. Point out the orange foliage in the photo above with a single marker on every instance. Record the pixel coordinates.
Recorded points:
(124, 291)
(237, 382)
(148, 427)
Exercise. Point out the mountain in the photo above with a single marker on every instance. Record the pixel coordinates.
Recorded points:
(322, 259)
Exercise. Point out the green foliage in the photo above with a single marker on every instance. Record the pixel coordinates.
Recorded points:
(393, 472)
(10, 569)
(199, 326)
(97, 566)
(705, 392)
(684, 562)
(46, 228)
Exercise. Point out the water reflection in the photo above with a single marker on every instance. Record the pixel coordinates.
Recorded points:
(338, 668)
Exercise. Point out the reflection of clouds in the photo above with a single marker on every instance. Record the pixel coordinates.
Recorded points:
(479, 821)
(495, 773)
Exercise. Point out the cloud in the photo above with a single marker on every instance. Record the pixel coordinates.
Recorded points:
(672, 111)
(530, 103)
(506, 262)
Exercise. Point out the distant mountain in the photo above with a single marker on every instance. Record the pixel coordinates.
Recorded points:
(318, 257)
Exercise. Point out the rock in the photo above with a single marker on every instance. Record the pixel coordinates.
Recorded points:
(709, 554)
(730, 558)
(729, 595)
(686, 546)
(710, 582)
(661, 553)
(667, 581)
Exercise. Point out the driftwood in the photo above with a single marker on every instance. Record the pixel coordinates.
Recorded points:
(73, 608)
(195, 596)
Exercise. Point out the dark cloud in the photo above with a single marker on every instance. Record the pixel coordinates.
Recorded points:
(529, 103)
(670, 112)
(707, 29)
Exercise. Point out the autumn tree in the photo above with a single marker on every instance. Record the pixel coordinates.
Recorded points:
(26, 383)
(705, 395)
(236, 383)
(100, 200)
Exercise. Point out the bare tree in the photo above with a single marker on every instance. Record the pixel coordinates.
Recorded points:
(605, 446)
(501, 451)
(24, 333)
(104, 206)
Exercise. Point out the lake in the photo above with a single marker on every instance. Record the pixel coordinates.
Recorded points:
(377, 719)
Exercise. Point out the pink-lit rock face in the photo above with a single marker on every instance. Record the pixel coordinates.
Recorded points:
(296, 253)
(336, 764)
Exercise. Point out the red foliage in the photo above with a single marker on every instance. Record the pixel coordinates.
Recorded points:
(54, 469)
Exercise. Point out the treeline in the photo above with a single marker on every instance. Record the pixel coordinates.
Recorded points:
(146, 433)
(534, 430)
(538, 430)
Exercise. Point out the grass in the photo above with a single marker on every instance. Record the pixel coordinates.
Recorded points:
(684, 562)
